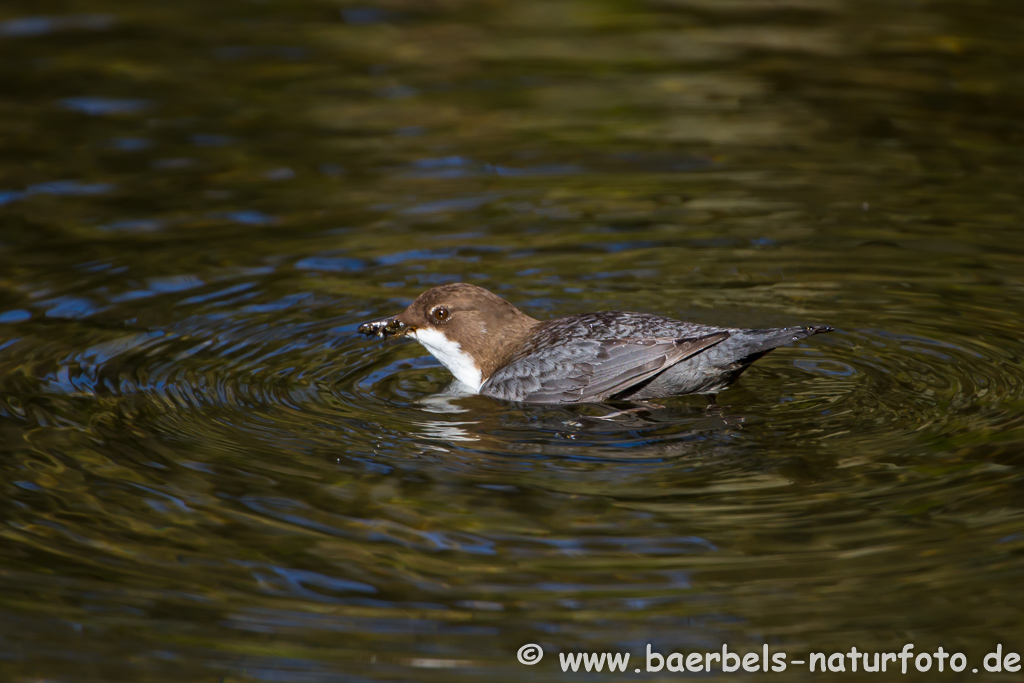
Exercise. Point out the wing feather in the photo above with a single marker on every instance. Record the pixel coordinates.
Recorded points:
(591, 370)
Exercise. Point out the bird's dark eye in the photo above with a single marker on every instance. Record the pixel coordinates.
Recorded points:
(441, 314)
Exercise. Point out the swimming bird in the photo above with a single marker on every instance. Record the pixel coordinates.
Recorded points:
(495, 349)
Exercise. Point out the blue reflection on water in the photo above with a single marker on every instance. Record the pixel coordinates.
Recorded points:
(16, 315)
(248, 217)
(210, 140)
(130, 144)
(68, 188)
(453, 204)
(460, 167)
(361, 16)
(141, 225)
(71, 307)
(104, 106)
(28, 27)
(335, 264)
(826, 367)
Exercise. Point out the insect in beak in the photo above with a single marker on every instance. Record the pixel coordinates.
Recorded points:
(384, 328)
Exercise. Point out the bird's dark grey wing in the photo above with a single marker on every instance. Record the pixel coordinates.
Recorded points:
(583, 370)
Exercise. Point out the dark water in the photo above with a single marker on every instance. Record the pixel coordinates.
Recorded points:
(207, 476)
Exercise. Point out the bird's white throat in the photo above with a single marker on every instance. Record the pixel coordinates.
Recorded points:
(451, 355)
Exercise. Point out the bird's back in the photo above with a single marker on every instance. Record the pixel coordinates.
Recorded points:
(567, 340)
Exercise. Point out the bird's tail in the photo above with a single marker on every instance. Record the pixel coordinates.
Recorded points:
(749, 345)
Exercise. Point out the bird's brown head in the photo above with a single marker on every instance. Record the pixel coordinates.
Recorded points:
(457, 320)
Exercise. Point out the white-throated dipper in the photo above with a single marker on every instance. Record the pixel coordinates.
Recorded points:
(497, 350)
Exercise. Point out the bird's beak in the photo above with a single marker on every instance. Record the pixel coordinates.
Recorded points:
(385, 328)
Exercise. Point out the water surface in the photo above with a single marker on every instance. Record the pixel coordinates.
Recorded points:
(207, 475)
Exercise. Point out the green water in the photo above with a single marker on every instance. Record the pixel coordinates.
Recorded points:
(207, 475)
